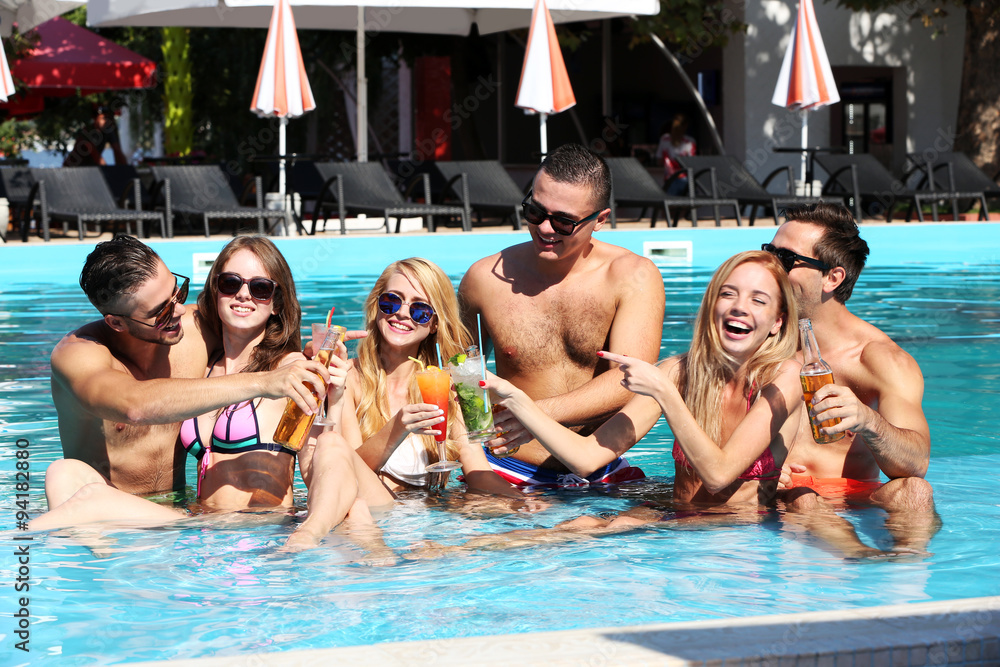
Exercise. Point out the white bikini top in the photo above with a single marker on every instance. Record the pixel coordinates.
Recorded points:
(407, 463)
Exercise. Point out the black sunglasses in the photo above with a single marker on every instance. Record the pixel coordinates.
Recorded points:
(261, 289)
(561, 225)
(788, 258)
(420, 312)
(162, 318)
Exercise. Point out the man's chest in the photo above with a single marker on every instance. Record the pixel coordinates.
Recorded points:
(550, 327)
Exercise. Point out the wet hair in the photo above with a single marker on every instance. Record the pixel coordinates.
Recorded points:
(282, 333)
(451, 335)
(841, 244)
(576, 165)
(115, 270)
(707, 367)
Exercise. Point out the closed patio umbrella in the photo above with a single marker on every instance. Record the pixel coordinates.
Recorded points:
(441, 17)
(283, 89)
(806, 80)
(544, 87)
(6, 82)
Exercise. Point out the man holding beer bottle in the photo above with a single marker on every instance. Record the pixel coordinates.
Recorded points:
(123, 384)
(877, 390)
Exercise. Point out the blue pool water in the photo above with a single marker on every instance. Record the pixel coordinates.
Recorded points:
(201, 590)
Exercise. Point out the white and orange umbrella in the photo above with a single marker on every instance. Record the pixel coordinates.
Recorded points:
(6, 82)
(544, 87)
(806, 80)
(283, 89)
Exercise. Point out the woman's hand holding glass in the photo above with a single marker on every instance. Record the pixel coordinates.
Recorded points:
(422, 419)
(511, 432)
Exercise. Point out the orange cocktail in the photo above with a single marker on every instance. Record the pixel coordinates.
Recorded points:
(435, 387)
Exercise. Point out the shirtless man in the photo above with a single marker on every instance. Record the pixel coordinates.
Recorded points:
(550, 304)
(122, 384)
(878, 390)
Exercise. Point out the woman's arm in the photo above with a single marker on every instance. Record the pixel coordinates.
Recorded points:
(581, 454)
(718, 467)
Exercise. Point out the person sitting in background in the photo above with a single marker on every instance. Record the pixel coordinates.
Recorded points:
(88, 149)
(675, 143)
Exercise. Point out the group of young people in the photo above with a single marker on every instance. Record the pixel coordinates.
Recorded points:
(576, 374)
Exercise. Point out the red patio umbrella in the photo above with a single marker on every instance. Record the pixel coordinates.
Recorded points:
(69, 57)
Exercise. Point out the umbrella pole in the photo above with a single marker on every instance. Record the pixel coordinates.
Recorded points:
(281, 163)
(542, 118)
(805, 144)
(362, 84)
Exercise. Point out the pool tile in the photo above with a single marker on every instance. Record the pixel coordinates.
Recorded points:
(881, 658)
(991, 649)
(918, 655)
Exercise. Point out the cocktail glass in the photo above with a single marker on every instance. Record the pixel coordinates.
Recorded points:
(435, 388)
(477, 413)
(319, 332)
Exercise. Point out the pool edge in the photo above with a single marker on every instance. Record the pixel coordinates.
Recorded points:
(955, 632)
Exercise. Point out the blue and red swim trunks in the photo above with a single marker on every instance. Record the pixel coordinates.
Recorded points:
(520, 473)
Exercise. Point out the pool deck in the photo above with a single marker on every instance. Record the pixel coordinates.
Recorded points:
(957, 632)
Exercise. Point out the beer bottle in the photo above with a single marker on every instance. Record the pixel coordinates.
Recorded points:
(814, 374)
(295, 424)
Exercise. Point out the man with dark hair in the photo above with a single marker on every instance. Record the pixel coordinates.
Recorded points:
(122, 384)
(878, 386)
(549, 305)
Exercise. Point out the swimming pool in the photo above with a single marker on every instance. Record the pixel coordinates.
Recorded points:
(201, 591)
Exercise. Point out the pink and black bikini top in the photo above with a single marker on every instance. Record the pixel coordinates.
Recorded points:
(236, 431)
(763, 469)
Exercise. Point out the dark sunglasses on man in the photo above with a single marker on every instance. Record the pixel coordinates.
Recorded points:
(420, 312)
(561, 224)
(261, 289)
(162, 318)
(788, 258)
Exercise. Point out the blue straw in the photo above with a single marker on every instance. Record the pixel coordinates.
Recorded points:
(438, 346)
(482, 352)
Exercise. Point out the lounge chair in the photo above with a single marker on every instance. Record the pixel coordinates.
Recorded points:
(874, 189)
(632, 185)
(483, 186)
(955, 173)
(725, 177)
(365, 187)
(15, 186)
(80, 195)
(203, 191)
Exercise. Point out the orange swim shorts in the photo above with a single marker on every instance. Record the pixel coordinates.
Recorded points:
(836, 487)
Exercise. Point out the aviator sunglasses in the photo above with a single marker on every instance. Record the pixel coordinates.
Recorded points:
(561, 224)
(162, 318)
(261, 289)
(420, 312)
(788, 258)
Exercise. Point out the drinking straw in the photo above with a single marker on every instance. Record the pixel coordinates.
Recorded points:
(438, 347)
(329, 316)
(482, 351)
(422, 367)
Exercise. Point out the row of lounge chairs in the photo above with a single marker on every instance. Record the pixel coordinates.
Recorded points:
(195, 195)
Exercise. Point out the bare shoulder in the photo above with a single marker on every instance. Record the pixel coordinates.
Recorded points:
(629, 270)
(883, 358)
(84, 348)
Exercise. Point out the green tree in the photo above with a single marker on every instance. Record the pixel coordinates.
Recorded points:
(177, 92)
(978, 131)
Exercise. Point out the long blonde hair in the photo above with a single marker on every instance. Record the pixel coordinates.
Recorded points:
(707, 367)
(450, 334)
